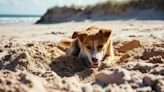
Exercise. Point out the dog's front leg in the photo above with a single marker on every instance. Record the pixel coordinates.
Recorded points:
(109, 58)
(83, 56)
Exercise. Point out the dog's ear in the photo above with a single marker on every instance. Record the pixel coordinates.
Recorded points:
(66, 43)
(75, 34)
(106, 33)
(80, 36)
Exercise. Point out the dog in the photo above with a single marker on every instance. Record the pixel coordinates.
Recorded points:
(93, 45)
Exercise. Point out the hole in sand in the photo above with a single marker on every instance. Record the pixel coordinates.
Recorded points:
(67, 65)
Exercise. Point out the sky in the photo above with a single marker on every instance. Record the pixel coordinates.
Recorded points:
(37, 7)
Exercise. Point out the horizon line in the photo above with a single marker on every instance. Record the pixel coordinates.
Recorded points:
(20, 15)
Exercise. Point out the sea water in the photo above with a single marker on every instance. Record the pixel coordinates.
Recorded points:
(10, 19)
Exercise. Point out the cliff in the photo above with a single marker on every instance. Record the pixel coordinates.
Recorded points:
(61, 14)
(104, 11)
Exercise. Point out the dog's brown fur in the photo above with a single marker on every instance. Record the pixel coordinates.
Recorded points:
(92, 45)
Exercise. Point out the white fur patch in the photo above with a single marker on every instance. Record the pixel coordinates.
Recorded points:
(95, 54)
(99, 55)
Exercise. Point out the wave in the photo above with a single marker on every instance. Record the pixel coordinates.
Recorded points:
(6, 20)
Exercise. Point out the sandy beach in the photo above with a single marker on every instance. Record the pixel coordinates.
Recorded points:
(31, 58)
(124, 30)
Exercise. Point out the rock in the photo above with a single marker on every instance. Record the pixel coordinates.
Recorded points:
(117, 76)
(129, 46)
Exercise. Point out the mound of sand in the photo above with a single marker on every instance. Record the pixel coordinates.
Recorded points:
(14, 56)
(42, 66)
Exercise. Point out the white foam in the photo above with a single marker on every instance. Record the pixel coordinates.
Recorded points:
(6, 20)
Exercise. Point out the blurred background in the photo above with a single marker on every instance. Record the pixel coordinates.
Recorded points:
(57, 11)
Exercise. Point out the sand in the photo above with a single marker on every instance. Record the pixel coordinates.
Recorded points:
(31, 58)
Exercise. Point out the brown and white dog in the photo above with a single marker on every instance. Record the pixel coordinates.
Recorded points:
(93, 45)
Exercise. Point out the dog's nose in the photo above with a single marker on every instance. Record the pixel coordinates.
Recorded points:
(94, 60)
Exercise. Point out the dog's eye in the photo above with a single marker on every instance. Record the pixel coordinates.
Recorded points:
(100, 46)
(88, 47)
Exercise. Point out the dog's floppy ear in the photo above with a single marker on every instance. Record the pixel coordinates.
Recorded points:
(80, 36)
(75, 34)
(66, 43)
(105, 32)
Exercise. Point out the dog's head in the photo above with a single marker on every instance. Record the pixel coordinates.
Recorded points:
(94, 44)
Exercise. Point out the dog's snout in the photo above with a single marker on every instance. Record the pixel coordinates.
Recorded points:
(94, 60)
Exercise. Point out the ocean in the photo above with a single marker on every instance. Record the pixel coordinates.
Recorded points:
(12, 19)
